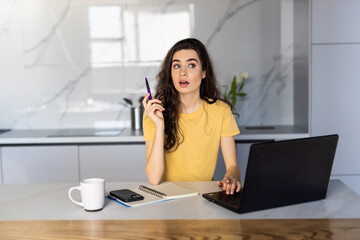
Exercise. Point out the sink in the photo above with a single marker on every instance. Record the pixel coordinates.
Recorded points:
(87, 132)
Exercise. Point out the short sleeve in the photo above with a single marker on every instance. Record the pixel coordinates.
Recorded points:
(229, 126)
(148, 128)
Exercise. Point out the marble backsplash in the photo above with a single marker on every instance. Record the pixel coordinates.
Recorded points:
(70, 63)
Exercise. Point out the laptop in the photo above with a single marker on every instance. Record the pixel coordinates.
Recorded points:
(282, 173)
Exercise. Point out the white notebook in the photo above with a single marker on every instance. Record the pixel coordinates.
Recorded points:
(162, 192)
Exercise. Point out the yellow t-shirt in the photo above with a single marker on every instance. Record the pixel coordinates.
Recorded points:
(196, 157)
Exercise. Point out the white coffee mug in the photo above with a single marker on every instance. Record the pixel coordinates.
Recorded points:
(92, 194)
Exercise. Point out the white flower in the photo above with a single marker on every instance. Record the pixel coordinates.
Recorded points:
(238, 81)
(244, 75)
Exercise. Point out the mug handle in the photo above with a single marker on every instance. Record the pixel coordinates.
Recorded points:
(81, 204)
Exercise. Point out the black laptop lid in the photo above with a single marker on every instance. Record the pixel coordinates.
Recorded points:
(288, 172)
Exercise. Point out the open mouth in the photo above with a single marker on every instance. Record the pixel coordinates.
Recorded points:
(184, 83)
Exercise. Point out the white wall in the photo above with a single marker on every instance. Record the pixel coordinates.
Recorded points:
(51, 76)
(335, 79)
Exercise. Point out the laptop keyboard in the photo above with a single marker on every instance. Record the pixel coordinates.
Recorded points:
(233, 200)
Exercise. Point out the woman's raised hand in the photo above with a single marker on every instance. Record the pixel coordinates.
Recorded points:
(153, 110)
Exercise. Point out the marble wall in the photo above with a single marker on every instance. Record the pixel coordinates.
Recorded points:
(70, 63)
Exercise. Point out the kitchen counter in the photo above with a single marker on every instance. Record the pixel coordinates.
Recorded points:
(126, 135)
(52, 136)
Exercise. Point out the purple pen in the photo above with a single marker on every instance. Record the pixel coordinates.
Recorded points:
(148, 88)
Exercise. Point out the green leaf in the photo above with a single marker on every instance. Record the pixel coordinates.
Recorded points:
(241, 94)
(234, 91)
(233, 85)
(242, 84)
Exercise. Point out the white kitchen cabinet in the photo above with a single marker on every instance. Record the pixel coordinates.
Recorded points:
(335, 82)
(351, 181)
(33, 164)
(335, 21)
(335, 87)
(1, 171)
(113, 162)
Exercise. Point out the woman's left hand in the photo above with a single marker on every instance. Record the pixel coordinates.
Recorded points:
(229, 184)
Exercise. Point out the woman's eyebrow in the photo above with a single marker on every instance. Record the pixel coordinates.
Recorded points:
(192, 59)
(189, 60)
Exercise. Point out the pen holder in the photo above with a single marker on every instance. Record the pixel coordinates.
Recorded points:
(136, 118)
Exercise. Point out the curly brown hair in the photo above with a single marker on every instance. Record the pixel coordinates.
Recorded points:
(169, 96)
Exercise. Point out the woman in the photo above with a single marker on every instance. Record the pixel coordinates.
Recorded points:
(187, 121)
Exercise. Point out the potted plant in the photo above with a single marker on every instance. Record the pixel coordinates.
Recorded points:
(235, 90)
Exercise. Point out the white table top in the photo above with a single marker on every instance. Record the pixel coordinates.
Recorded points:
(50, 202)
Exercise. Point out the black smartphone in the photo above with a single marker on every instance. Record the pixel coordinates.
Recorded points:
(126, 195)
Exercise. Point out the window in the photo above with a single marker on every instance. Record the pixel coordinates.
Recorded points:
(135, 34)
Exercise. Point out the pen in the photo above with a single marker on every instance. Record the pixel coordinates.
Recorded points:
(148, 88)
